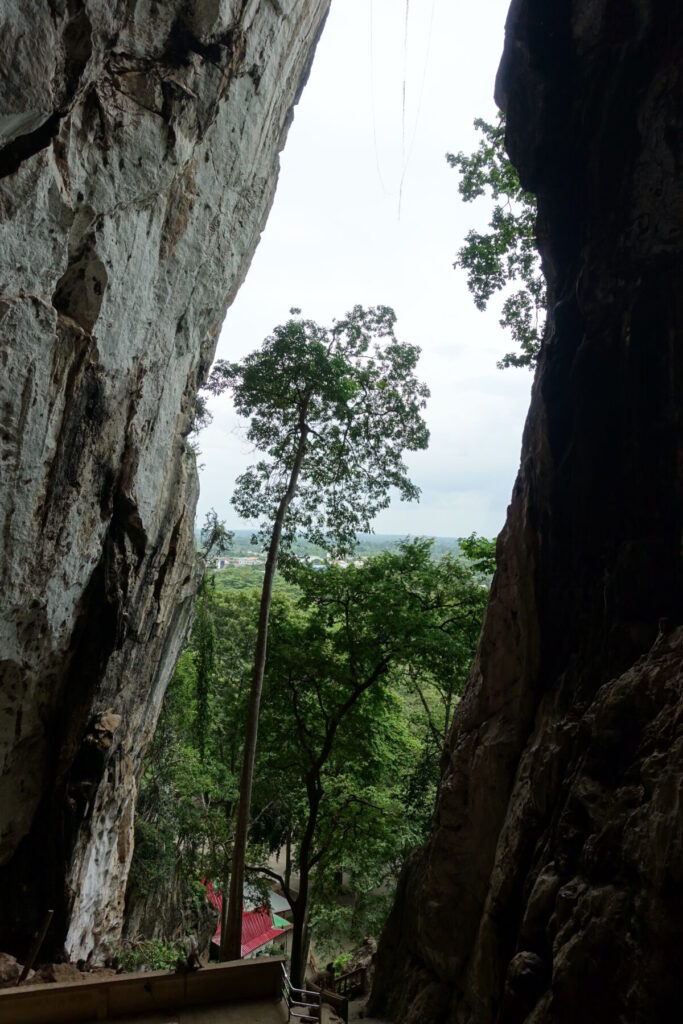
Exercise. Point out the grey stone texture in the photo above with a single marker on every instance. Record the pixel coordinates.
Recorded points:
(139, 147)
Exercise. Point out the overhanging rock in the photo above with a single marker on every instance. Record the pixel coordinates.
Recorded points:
(138, 160)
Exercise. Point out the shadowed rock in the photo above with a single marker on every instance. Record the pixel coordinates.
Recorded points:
(550, 890)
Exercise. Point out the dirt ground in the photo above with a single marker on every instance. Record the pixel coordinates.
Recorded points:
(265, 1012)
(357, 1012)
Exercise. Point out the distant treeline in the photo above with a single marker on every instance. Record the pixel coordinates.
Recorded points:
(368, 544)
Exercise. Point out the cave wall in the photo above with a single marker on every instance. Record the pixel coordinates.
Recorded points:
(551, 888)
(139, 150)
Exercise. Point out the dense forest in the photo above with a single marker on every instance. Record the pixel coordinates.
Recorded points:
(366, 662)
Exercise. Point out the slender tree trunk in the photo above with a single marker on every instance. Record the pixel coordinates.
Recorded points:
(224, 923)
(314, 792)
(233, 946)
(301, 936)
(447, 723)
(305, 948)
(222, 952)
(288, 860)
(297, 967)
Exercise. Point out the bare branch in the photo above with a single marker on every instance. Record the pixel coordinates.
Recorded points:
(286, 891)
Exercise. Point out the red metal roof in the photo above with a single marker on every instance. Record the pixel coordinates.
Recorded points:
(257, 925)
(257, 929)
(214, 897)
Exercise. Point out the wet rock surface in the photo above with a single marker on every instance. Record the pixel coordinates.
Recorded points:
(138, 159)
(550, 890)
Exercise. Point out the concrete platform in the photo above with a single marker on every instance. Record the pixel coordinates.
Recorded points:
(247, 991)
(271, 1011)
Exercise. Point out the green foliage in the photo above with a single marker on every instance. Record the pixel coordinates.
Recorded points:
(362, 679)
(507, 253)
(481, 554)
(190, 778)
(333, 409)
(365, 666)
(214, 538)
(270, 950)
(155, 954)
(337, 407)
(340, 962)
(247, 579)
(201, 419)
(202, 414)
(204, 638)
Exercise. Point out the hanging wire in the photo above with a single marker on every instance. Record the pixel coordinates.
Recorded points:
(403, 107)
(422, 85)
(372, 101)
(405, 157)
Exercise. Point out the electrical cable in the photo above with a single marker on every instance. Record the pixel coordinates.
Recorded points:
(422, 84)
(406, 161)
(372, 102)
(403, 107)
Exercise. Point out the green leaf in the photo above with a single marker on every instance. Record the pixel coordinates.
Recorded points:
(507, 253)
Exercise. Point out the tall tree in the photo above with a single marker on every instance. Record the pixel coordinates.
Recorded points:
(508, 253)
(333, 409)
(331, 682)
(365, 665)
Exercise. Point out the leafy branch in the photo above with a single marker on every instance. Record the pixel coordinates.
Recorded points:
(507, 254)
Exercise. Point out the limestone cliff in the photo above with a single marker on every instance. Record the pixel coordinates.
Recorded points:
(139, 150)
(551, 889)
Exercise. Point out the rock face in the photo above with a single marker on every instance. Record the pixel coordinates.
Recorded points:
(551, 889)
(139, 150)
(169, 911)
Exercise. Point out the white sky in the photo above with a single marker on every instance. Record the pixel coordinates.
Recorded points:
(334, 239)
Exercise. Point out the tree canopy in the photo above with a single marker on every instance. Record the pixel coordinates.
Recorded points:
(506, 254)
(345, 399)
(365, 666)
(333, 409)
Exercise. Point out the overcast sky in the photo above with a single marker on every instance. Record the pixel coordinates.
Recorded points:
(334, 238)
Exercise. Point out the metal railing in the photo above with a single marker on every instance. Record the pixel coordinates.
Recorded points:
(302, 1004)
